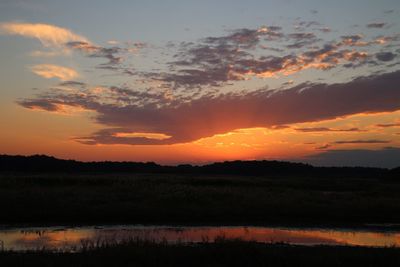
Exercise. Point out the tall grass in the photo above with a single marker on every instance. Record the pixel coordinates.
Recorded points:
(222, 253)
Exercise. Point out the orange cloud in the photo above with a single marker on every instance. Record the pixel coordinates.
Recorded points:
(61, 109)
(54, 71)
(48, 35)
(158, 136)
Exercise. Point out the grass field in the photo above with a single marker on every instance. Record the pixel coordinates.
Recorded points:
(196, 199)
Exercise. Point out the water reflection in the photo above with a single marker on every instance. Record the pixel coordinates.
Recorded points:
(73, 238)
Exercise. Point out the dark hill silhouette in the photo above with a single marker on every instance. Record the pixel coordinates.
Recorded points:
(43, 163)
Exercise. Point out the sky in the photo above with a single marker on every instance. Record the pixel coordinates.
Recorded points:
(202, 81)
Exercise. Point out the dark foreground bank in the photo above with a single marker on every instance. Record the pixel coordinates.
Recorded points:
(222, 253)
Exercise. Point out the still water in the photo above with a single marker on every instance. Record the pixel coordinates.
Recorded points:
(65, 238)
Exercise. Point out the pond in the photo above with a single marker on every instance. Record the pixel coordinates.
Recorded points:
(72, 238)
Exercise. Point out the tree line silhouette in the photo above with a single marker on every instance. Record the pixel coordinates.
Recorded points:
(43, 163)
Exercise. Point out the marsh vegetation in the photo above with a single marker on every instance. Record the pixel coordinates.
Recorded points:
(221, 253)
(122, 198)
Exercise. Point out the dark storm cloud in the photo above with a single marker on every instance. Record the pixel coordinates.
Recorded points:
(221, 113)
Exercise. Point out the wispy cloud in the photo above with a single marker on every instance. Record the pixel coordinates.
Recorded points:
(369, 141)
(325, 129)
(247, 38)
(48, 35)
(324, 147)
(302, 39)
(54, 71)
(216, 61)
(59, 38)
(377, 25)
(388, 125)
(97, 51)
(73, 84)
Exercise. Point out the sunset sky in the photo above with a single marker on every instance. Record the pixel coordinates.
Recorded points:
(202, 81)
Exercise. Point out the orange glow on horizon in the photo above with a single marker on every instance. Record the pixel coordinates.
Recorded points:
(242, 144)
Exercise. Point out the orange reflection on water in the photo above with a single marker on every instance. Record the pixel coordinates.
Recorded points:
(70, 238)
(43, 238)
